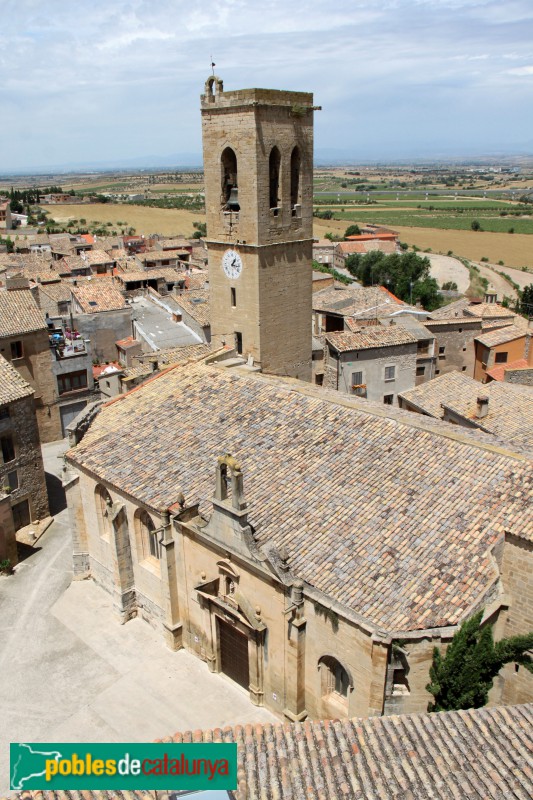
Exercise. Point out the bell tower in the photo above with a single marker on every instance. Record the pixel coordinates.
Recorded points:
(258, 169)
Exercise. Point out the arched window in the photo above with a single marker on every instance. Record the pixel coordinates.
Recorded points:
(335, 679)
(295, 180)
(104, 505)
(274, 167)
(228, 165)
(147, 541)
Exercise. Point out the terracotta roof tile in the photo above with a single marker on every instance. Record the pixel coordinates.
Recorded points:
(479, 754)
(498, 373)
(348, 301)
(19, 313)
(500, 336)
(510, 407)
(488, 311)
(12, 384)
(98, 296)
(195, 302)
(370, 337)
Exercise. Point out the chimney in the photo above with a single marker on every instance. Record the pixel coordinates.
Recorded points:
(482, 406)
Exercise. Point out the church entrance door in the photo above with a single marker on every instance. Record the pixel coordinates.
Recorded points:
(234, 654)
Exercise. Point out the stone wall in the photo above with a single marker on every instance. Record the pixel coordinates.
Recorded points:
(523, 377)
(104, 329)
(28, 462)
(516, 685)
(457, 339)
(8, 541)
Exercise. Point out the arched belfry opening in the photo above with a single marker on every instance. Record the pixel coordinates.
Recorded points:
(274, 169)
(296, 163)
(230, 186)
(213, 86)
(229, 482)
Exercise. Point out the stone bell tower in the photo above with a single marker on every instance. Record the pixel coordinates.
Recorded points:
(258, 168)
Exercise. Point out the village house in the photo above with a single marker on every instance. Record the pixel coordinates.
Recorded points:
(101, 314)
(328, 253)
(21, 463)
(5, 214)
(53, 296)
(503, 409)
(101, 263)
(333, 308)
(194, 308)
(425, 349)
(155, 259)
(374, 362)
(499, 346)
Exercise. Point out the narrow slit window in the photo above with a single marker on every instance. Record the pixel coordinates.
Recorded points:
(295, 179)
(274, 172)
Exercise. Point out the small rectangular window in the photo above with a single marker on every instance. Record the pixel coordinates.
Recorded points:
(357, 378)
(13, 480)
(388, 399)
(16, 350)
(441, 350)
(501, 358)
(4, 412)
(420, 370)
(8, 448)
(390, 373)
(233, 297)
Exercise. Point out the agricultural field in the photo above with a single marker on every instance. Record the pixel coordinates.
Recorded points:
(145, 220)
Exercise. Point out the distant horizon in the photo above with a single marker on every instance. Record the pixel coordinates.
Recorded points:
(141, 165)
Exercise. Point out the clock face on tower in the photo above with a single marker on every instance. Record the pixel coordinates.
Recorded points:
(232, 264)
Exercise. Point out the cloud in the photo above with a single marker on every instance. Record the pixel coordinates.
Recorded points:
(527, 70)
(122, 77)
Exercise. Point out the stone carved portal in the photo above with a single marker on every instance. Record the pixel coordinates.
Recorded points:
(234, 632)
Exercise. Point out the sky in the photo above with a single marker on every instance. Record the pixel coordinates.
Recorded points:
(109, 81)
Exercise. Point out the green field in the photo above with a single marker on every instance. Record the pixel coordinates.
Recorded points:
(422, 218)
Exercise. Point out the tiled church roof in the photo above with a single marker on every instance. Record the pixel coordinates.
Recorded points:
(391, 515)
(481, 753)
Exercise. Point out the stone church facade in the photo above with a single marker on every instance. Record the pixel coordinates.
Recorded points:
(311, 546)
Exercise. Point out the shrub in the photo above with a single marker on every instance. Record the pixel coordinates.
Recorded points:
(475, 225)
(484, 258)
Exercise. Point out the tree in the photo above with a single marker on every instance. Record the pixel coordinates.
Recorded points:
(475, 225)
(353, 230)
(526, 300)
(449, 286)
(201, 230)
(464, 676)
